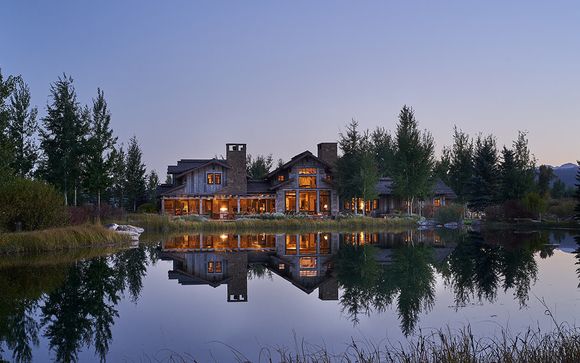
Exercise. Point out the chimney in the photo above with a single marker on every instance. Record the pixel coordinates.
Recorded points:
(328, 152)
(237, 182)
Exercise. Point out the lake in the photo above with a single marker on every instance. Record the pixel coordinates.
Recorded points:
(222, 296)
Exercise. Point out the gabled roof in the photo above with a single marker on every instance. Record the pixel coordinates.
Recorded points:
(258, 186)
(185, 165)
(297, 158)
(385, 187)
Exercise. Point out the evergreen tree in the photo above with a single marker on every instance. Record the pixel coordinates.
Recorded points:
(118, 176)
(152, 184)
(525, 166)
(383, 147)
(6, 89)
(368, 174)
(63, 138)
(259, 167)
(508, 176)
(134, 175)
(558, 189)
(21, 130)
(484, 183)
(101, 143)
(443, 166)
(461, 164)
(414, 159)
(545, 177)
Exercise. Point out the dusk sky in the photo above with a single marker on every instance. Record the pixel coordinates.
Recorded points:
(188, 76)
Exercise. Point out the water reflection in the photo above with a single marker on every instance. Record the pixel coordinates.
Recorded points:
(72, 304)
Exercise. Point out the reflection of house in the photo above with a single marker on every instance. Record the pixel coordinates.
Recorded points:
(220, 188)
(303, 260)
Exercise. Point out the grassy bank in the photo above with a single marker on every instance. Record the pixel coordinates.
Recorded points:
(153, 223)
(58, 239)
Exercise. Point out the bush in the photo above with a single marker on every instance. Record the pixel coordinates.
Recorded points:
(563, 208)
(449, 213)
(33, 204)
(516, 209)
(534, 204)
(147, 208)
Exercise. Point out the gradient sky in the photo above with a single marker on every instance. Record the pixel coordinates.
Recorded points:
(188, 76)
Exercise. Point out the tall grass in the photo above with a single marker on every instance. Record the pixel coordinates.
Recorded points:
(532, 346)
(162, 223)
(58, 239)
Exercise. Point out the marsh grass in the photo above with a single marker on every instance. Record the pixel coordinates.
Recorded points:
(59, 239)
(161, 223)
(532, 346)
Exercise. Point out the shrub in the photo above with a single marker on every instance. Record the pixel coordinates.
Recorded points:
(33, 204)
(449, 213)
(516, 209)
(563, 208)
(495, 213)
(147, 208)
(534, 203)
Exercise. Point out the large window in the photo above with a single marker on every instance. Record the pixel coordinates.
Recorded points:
(291, 245)
(307, 182)
(290, 204)
(214, 178)
(308, 202)
(325, 201)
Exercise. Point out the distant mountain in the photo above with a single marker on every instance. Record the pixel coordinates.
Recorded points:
(566, 173)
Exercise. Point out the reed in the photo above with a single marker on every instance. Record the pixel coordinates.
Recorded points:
(160, 223)
(58, 239)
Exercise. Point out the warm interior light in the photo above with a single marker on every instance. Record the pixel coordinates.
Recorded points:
(223, 209)
(224, 237)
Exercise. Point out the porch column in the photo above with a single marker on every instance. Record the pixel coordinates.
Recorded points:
(239, 241)
(297, 201)
(238, 205)
(163, 205)
(200, 206)
(317, 201)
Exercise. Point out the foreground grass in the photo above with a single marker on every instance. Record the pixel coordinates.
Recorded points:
(532, 346)
(162, 224)
(58, 239)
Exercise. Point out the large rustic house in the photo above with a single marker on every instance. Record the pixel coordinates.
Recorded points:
(220, 188)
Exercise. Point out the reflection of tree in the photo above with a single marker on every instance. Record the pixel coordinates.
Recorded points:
(78, 311)
(258, 271)
(577, 255)
(367, 286)
(481, 262)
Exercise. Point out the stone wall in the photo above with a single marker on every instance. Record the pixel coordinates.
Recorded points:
(236, 183)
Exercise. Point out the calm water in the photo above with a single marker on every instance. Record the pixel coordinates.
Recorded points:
(202, 295)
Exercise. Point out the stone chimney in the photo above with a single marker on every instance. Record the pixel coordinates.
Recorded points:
(237, 182)
(328, 152)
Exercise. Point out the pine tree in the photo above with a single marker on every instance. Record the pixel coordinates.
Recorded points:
(118, 176)
(484, 183)
(442, 167)
(461, 164)
(101, 143)
(414, 159)
(259, 167)
(508, 176)
(545, 177)
(152, 184)
(383, 147)
(21, 130)
(63, 138)
(6, 89)
(135, 174)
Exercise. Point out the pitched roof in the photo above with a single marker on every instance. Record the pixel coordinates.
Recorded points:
(440, 188)
(385, 187)
(258, 186)
(185, 165)
(296, 159)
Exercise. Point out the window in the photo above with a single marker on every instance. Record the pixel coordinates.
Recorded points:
(291, 245)
(290, 202)
(324, 201)
(308, 202)
(307, 182)
(307, 171)
(214, 267)
(375, 204)
(307, 262)
(437, 202)
(281, 178)
(214, 178)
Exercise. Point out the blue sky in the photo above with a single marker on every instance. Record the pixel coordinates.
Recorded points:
(188, 76)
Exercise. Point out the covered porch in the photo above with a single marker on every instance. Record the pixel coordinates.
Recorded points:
(218, 207)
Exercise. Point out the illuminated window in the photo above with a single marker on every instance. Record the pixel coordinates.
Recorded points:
(307, 262)
(291, 245)
(210, 267)
(308, 273)
(281, 178)
(324, 201)
(290, 201)
(307, 171)
(437, 202)
(214, 178)
(307, 182)
(375, 204)
(218, 267)
(214, 267)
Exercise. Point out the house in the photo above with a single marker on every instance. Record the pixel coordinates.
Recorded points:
(220, 188)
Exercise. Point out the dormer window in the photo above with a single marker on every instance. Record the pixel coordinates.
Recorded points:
(281, 178)
(214, 178)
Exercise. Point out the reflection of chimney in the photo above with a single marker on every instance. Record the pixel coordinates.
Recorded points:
(328, 290)
(238, 274)
(236, 182)
(328, 152)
